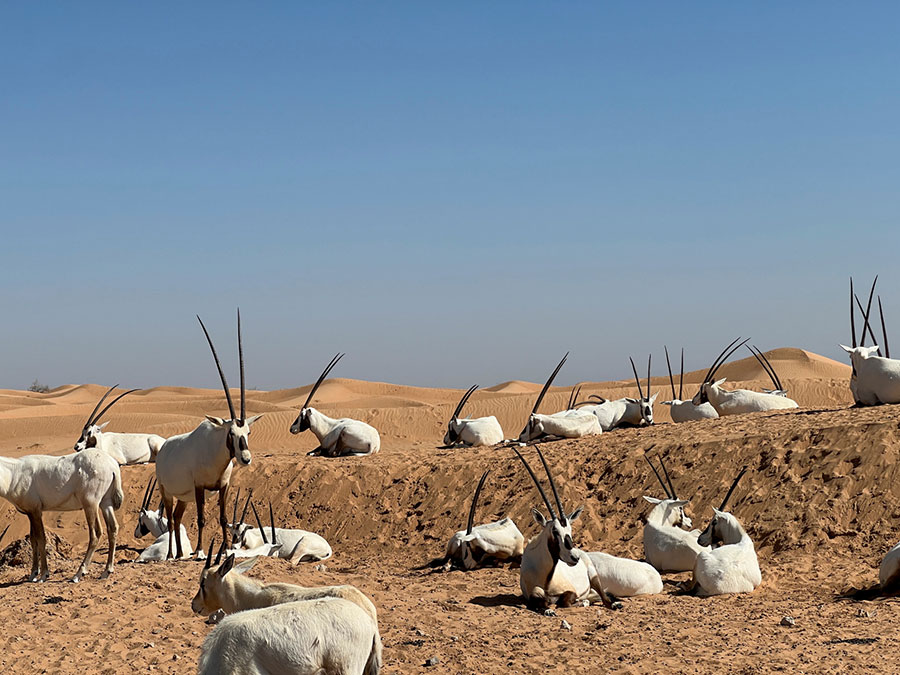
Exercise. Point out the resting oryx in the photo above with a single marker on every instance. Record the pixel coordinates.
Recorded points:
(294, 545)
(730, 567)
(472, 431)
(189, 465)
(337, 437)
(565, 424)
(630, 411)
(875, 379)
(738, 401)
(553, 569)
(666, 546)
(477, 545)
(889, 572)
(124, 448)
(151, 521)
(88, 480)
(681, 410)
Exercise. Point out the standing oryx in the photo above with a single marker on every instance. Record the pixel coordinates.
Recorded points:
(630, 411)
(189, 465)
(480, 544)
(681, 410)
(738, 401)
(124, 448)
(565, 424)
(337, 437)
(472, 431)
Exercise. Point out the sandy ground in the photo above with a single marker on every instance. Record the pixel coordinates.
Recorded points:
(820, 499)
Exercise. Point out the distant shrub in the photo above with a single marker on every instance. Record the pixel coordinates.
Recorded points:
(38, 388)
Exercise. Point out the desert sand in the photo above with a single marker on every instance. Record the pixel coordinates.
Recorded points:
(820, 500)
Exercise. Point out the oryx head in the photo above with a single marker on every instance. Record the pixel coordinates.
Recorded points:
(702, 396)
(674, 514)
(533, 428)
(646, 402)
(213, 586)
(721, 519)
(302, 422)
(859, 352)
(462, 554)
(90, 434)
(454, 426)
(147, 517)
(558, 527)
(237, 439)
(779, 390)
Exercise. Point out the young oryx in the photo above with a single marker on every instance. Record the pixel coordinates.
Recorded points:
(875, 379)
(337, 437)
(553, 569)
(732, 567)
(88, 480)
(124, 448)
(565, 424)
(738, 401)
(472, 431)
(685, 411)
(189, 465)
(624, 411)
(151, 521)
(477, 545)
(666, 546)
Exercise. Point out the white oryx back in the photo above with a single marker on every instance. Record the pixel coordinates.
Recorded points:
(733, 566)
(625, 578)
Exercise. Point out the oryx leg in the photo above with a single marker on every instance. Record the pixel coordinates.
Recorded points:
(112, 529)
(200, 499)
(37, 534)
(331, 444)
(168, 504)
(538, 600)
(175, 528)
(91, 515)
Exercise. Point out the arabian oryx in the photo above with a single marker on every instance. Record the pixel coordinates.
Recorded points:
(124, 448)
(553, 569)
(565, 424)
(624, 411)
(685, 410)
(151, 521)
(297, 546)
(471, 431)
(875, 379)
(479, 545)
(889, 572)
(189, 465)
(667, 546)
(730, 565)
(738, 401)
(337, 437)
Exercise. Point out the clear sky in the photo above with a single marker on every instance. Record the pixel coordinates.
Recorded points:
(449, 192)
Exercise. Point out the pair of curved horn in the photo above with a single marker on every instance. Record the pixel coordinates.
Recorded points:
(561, 515)
(471, 522)
(148, 494)
(731, 489)
(463, 401)
(573, 397)
(259, 523)
(328, 369)
(764, 362)
(212, 347)
(209, 555)
(593, 399)
(866, 325)
(667, 486)
(680, 377)
(722, 358)
(94, 417)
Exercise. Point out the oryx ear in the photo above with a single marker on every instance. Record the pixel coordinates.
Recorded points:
(652, 500)
(226, 566)
(538, 517)
(717, 512)
(245, 566)
(218, 421)
(101, 427)
(719, 383)
(251, 420)
(667, 402)
(574, 515)
(847, 349)
(653, 398)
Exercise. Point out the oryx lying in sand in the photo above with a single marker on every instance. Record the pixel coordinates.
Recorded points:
(188, 465)
(151, 521)
(297, 546)
(337, 437)
(889, 572)
(88, 480)
(564, 424)
(469, 431)
(738, 401)
(308, 636)
(624, 411)
(124, 448)
(731, 565)
(681, 410)
(667, 546)
(479, 545)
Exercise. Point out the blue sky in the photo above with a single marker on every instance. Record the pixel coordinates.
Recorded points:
(450, 193)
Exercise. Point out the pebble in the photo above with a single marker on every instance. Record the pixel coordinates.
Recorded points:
(565, 625)
(433, 661)
(788, 621)
(320, 568)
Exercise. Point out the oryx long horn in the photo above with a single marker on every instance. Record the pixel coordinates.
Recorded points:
(681, 377)
(537, 404)
(219, 554)
(866, 327)
(259, 523)
(246, 506)
(111, 404)
(559, 506)
(463, 400)
(669, 368)
(852, 319)
(869, 307)
(712, 368)
(3, 534)
(658, 477)
(887, 350)
(471, 522)
(209, 556)
(237, 497)
(219, 367)
(272, 520)
(241, 361)
(766, 366)
(573, 396)
(727, 356)
(90, 419)
(328, 368)
(537, 483)
(666, 472)
(731, 489)
(636, 378)
(146, 501)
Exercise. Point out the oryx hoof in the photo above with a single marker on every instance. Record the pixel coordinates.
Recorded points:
(201, 555)
(77, 577)
(615, 605)
(105, 574)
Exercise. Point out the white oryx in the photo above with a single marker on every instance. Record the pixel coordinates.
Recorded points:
(297, 546)
(667, 546)
(478, 545)
(337, 437)
(469, 431)
(624, 411)
(124, 448)
(730, 566)
(737, 401)
(565, 424)
(685, 410)
(875, 379)
(189, 465)
(553, 569)
(151, 521)
(88, 480)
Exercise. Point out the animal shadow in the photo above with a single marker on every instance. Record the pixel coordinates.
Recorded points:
(501, 600)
